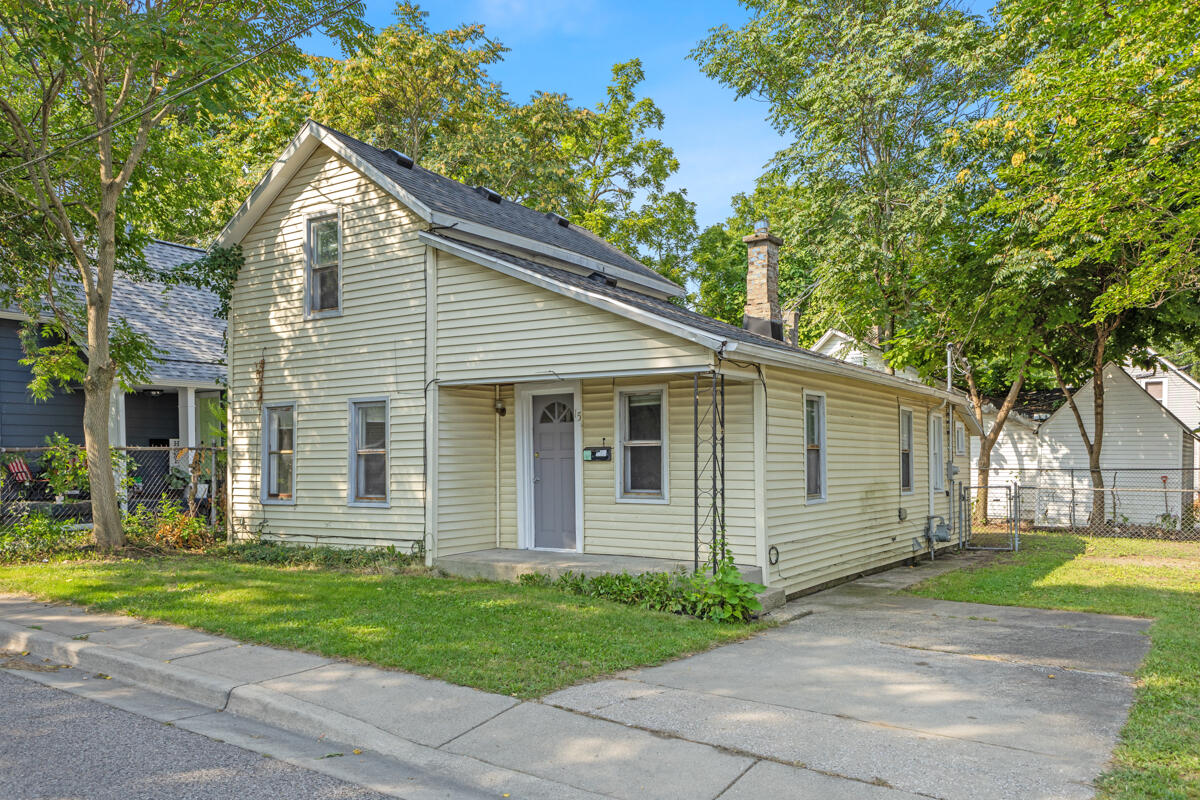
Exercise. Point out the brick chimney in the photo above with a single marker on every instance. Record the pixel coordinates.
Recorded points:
(762, 314)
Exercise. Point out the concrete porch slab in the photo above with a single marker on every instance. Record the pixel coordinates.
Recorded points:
(502, 564)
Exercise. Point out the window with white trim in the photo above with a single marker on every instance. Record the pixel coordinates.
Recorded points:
(814, 445)
(960, 439)
(324, 264)
(937, 454)
(906, 450)
(369, 452)
(643, 473)
(279, 453)
(1156, 389)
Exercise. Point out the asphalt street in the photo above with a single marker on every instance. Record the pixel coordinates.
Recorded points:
(56, 745)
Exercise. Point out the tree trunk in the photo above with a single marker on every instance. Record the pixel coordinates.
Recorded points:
(1096, 519)
(98, 385)
(980, 514)
(988, 441)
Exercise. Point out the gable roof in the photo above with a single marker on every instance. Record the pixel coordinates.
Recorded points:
(721, 337)
(443, 202)
(180, 320)
(1114, 371)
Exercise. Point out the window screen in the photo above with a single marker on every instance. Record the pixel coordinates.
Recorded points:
(323, 264)
(370, 451)
(642, 465)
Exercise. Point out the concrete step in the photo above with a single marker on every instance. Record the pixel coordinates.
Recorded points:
(772, 598)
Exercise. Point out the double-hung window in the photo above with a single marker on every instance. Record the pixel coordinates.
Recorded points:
(324, 264)
(937, 454)
(643, 468)
(906, 450)
(369, 452)
(279, 453)
(960, 439)
(814, 443)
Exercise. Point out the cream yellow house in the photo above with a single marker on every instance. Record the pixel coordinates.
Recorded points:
(420, 363)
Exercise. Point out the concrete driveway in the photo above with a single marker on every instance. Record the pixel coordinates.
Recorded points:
(884, 696)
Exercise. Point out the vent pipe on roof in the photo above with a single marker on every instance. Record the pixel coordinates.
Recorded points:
(494, 196)
(556, 219)
(762, 314)
(400, 158)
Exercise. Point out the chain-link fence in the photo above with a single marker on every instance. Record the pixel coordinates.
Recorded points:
(45, 491)
(997, 529)
(1141, 502)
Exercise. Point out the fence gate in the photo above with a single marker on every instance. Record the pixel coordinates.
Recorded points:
(990, 522)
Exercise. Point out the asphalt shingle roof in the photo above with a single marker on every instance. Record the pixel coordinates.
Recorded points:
(460, 200)
(179, 320)
(653, 305)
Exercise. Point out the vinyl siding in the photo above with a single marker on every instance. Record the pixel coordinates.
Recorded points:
(495, 327)
(1140, 437)
(857, 526)
(466, 470)
(24, 421)
(375, 348)
(1137, 431)
(667, 530)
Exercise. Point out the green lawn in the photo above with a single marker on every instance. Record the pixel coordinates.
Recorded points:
(518, 640)
(1159, 753)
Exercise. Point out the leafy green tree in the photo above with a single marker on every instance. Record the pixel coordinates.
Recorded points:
(1107, 111)
(91, 93)
(720, 257)
(620, 175)
(1099, 175)
(865, 89)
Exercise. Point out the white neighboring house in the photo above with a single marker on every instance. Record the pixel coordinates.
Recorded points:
(1150, 422)
(1150, 431)
(1178, 392)
(841, 345)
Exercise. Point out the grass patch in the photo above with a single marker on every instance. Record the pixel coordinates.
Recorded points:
(1158, 757)
(523, 641)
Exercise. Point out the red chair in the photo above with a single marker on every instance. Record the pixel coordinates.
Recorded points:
(19, 469)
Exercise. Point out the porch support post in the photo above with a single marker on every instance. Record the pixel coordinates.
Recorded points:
(116, 436)
(696, 468)
(431, 407)
(760, 480)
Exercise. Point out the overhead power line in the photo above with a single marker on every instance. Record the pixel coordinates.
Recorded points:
(165, 99)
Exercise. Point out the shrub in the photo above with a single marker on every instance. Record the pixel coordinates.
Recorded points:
(258, 551)
(722, 595)
(38, 535)
(168, 525)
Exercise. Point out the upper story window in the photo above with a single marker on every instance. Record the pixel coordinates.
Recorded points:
(642, 446)
(324, 264)
(814, 441)
(369, 452)
(1156, 389)
(906, 450)
(279, 453)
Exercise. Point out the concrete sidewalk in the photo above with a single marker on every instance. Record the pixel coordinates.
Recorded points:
(438, 740)
(873, 695)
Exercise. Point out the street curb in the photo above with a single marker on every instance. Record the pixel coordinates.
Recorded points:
(282, 711)
(176, 681)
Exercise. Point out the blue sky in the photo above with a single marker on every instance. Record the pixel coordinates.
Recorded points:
(570, 47)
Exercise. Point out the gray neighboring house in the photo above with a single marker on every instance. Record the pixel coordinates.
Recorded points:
(180, 403)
